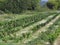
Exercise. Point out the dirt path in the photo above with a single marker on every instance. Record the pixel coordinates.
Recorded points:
(57, 41)
(43, 29)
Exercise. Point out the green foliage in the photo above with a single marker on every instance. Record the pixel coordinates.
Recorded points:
(56, 3)
(17, 6)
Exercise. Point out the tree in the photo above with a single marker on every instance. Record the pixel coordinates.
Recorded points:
(17, 6)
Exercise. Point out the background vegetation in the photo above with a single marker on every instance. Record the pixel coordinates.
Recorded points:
(18, 6)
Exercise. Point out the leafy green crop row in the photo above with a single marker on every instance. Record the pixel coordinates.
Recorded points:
(43, 24)
(8, 25)
(48, 36)
(27, 35)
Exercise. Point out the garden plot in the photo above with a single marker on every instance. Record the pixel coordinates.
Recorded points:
(28, 29)
(43, 29)
(52, 32)
(50, 18)
(24, 29)
(10, 26)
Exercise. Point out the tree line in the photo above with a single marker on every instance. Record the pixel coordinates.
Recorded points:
(18, 6)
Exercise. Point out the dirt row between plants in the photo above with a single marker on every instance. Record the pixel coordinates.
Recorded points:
(57, 41)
